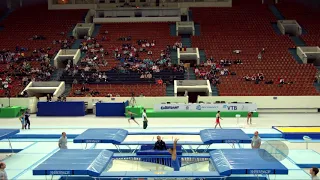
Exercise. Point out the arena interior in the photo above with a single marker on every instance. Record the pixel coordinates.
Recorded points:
(92, 89)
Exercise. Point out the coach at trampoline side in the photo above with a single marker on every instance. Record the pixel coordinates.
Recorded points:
(63, 141)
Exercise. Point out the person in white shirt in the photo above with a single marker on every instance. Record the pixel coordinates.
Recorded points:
(256, 141)
(313, 172)
(3, 174)
(63, 141)
(145, 119)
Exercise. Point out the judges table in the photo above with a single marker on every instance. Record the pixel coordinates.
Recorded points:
(61, 109)
(223, 107)
(10, 112)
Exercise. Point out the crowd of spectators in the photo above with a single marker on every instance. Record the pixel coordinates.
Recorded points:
(20, 69)
(127, 58)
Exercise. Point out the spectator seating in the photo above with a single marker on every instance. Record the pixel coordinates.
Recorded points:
(248, 28)
(305, 17)
(160, 32)
(157, 32)
(114, 77)
(24, 23)
(19, 29)
(121, 89)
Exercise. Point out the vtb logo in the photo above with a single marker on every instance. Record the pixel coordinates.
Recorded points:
(232, 108)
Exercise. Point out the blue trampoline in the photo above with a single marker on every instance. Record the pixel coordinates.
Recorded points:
(226, 162)
(7, 133)
(117, 136)
(76, 162)
(99, 135)
(245, 161)
(210, 136)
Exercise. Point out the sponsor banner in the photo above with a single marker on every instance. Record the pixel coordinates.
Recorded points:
(206, 107)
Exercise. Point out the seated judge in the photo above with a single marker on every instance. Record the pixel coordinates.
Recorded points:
(160, 145)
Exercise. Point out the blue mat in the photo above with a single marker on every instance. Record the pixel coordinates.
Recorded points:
(210, 136)
(76, 162)
(7, 133)
(61, 109)
(96, 135)
(245, 161)
(111, 109)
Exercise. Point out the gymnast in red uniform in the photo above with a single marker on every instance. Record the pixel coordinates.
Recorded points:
(249, 118)
(218, 118)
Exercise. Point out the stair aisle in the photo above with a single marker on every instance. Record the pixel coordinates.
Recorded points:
(276, 12)
(173, 29)
(197, 29)
(67, 90)
(215, 90)
(186, 41)
(293, 52)
(96, 30)
(203, 57)
(170, 90)
(190, 75)
(174, 56)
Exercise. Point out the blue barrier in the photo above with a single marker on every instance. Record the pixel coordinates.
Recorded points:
(61, 109)
(111, 109)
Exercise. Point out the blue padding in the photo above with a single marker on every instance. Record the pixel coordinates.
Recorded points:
(267, 135)
(156, 152)
(159, 174)
(111, 109)
(305, 166)
(42, 136)
(167, 143)
(7, 133)
(150, 147)
(61, 109)
(210, 136)
(164, 133)
(96, 135)
(246, 161)
(75, 162)
(187, 155)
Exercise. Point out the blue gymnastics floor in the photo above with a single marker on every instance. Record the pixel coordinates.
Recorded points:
(34, 150)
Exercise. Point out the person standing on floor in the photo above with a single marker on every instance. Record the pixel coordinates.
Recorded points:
(313, 172)
(27, 119)
(63, 141)
(145, 119)
(3, 173)
(218, 117)
(22, 120)
(249, 118)
(256, 141)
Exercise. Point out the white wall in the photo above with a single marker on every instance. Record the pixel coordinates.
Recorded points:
(268, 102)
(136, 19)
(264, 103)
(206, 3)
(30, 103)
